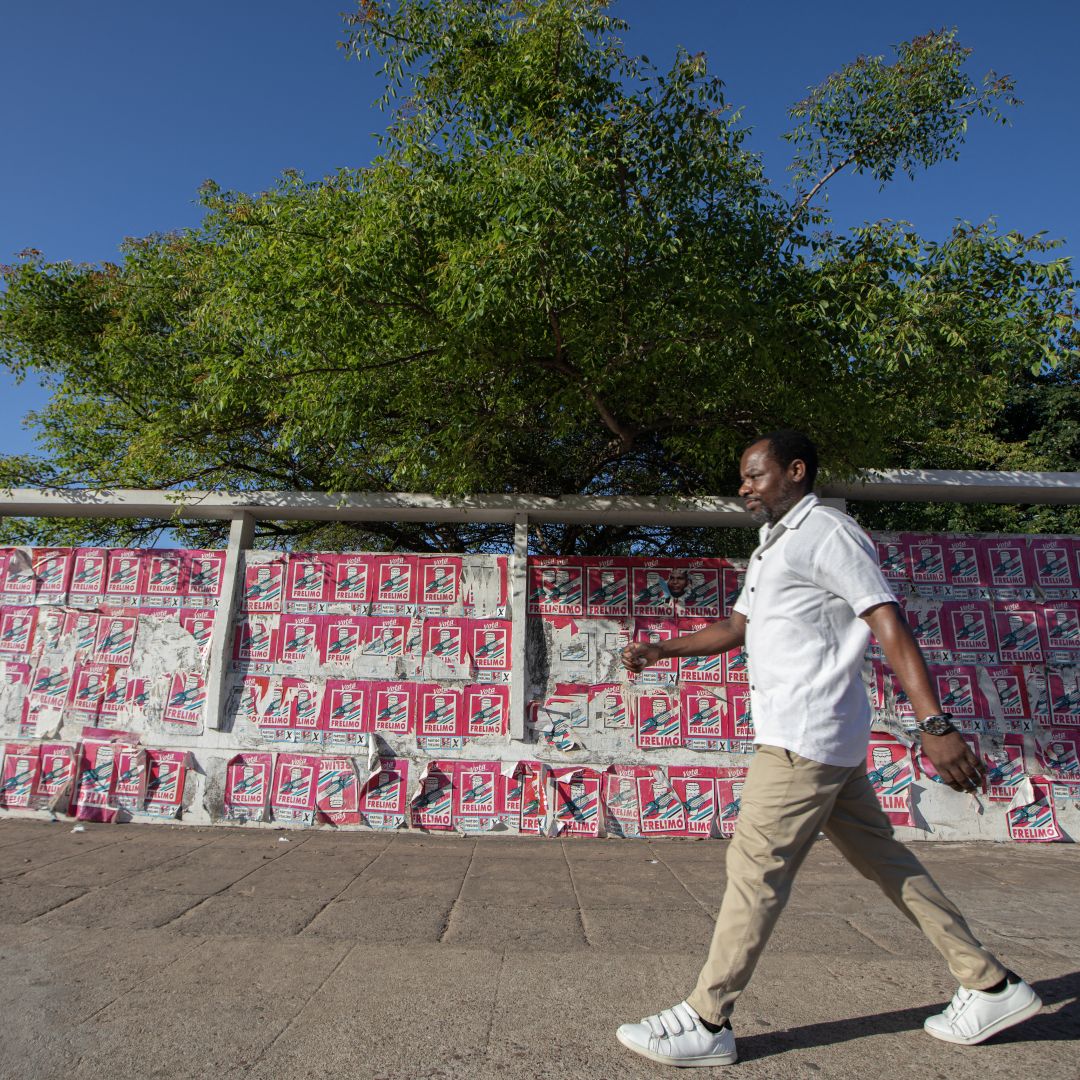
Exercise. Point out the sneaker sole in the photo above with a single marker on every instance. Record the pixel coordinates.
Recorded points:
(661, 1059)
(1017, 1017)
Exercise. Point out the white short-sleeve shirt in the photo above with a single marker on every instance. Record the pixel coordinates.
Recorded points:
(813, 574)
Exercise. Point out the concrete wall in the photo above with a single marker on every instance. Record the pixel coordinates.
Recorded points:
(335, 700)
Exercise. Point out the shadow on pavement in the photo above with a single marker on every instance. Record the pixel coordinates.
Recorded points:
(1062, 1025)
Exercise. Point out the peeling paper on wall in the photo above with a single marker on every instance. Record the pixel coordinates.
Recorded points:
(575, 801)
(384, 800)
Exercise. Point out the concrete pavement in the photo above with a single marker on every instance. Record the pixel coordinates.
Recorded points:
(151, 951)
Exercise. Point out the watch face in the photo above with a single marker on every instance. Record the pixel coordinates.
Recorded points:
(939, 725)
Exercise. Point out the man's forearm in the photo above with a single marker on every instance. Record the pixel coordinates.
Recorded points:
(906, 659)
(716, 638)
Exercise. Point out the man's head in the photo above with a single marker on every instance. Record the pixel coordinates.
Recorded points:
(677, 582)
(777, 470)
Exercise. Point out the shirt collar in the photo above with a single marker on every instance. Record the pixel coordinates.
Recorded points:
(792, 519)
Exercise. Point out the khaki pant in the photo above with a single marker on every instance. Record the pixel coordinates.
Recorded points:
(786, 801)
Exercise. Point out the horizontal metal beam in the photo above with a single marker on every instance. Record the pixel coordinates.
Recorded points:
(959, 485)
(901, 485)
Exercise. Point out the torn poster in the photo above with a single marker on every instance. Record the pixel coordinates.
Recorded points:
(1005, 767)
(475, 795)
(889, 769)
(607, 588)
(384, 798)
(695, 588)
(923, 615)
(576, 800)
(51, 684)
(186, 701)
(1058, 753)
(487, 710)
(533, 807)
(300, 640)
(445, 654)
(1004, 690)
(57, 777)
(662, 811)
(623, 812)
(702, 711)
(199, 623)
(304, 699)
(732, 581)
(431, 806)
(653, 632)
(1061, 627)
(607, 707)
(1031, 815)
(738, 718)
(658, 719)
(247, 787)
(484, 587)
(96, 776)
(129, 791)
(17, 581)
(699, 669)
(90, 682)
(555, 587)
(345, 636)
(52, 569)
(255, 643)
(292, 796)
(166, 771)
(1063, 688)
(114, 641)
(562, 717)
(695, 785)
(893, 559)
(736, 666)
(19, 776)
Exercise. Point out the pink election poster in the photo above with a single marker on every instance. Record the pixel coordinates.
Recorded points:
(607, 707)
(1005, 691)
(1010, 565)
(576, 795)
(1061, 630)
(440, 583)
(351, 579)
(123, 575)
(662, 811)
(1005, 767)
(607, 588)
(959, 692)
(204, 572)
(162, 579)
(489, 647)
(1059, 755)
(394, 587)
(90, 683)
(17, 629)
(695, 785)
(199, 623)
(345, 636)
(702, 709)
(658, 719)
(555, 587)
(255, 641)
(893, 560)
(889, 767)
(487, 710)
(51, 684)
(18, 581)
(968, 631)
(926, 560)
(387, 635)
(729, 789)
(263, 586)
(696, 588)
(475, 797)
(130, 788)
(304, 698)
(654, 632)
(440, 716)
(699, 669)
(1034, 821)
(621, 799)
(18, 780)
(57, 775)
(186, 700)
(445, 647)
(114, 641)
(87, 587)
(732, 580)
(1018, 634)
(650, 591)
(292, 796)
(966, 570)
(432, 805)
(345, 706)
(97, 773)
(301, 640)
(308, 582)
(1063, 688)
(1055, 574)
(738, 719)
(165, 774)
(384, 798)
(393, 707)
(52, 569)
(247, 786)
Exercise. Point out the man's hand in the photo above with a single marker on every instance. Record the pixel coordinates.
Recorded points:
(956, 764)
(638, 656)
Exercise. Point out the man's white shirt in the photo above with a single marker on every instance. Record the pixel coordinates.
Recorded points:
(812, 575)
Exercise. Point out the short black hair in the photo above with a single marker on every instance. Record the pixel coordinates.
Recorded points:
(787, 445)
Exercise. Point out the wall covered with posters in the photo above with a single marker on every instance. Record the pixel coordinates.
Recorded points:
(374, 691)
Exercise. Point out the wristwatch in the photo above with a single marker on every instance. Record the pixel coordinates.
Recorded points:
(938, 724)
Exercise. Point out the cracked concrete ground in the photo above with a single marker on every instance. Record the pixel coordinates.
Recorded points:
(149, 951)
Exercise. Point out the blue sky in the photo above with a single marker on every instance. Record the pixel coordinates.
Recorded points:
(115, 112)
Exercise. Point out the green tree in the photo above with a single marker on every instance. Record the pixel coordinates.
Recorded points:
(564, 273)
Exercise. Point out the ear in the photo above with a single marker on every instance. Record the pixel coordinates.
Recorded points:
(797, 471)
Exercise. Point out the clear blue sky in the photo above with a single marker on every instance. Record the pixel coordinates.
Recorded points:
(115, 112)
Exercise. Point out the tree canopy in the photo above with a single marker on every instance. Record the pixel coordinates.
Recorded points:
(564, 273)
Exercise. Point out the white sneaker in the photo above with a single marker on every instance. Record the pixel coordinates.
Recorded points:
(974, 1015)
(676, 1036)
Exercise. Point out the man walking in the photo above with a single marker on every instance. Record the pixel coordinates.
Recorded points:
(813, 593)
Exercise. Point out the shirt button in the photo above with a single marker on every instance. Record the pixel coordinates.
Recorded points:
(751, 588)
(752, 686)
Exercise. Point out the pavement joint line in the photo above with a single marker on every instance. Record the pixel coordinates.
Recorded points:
(153, 866)
(292, 1019)
(55, 907)
(64, 858)
(140, 982)
(494, 1003)
(577, 897)
(663, 862)
(862, 933)
(224, 888)
(461, 889)
(336, 895)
